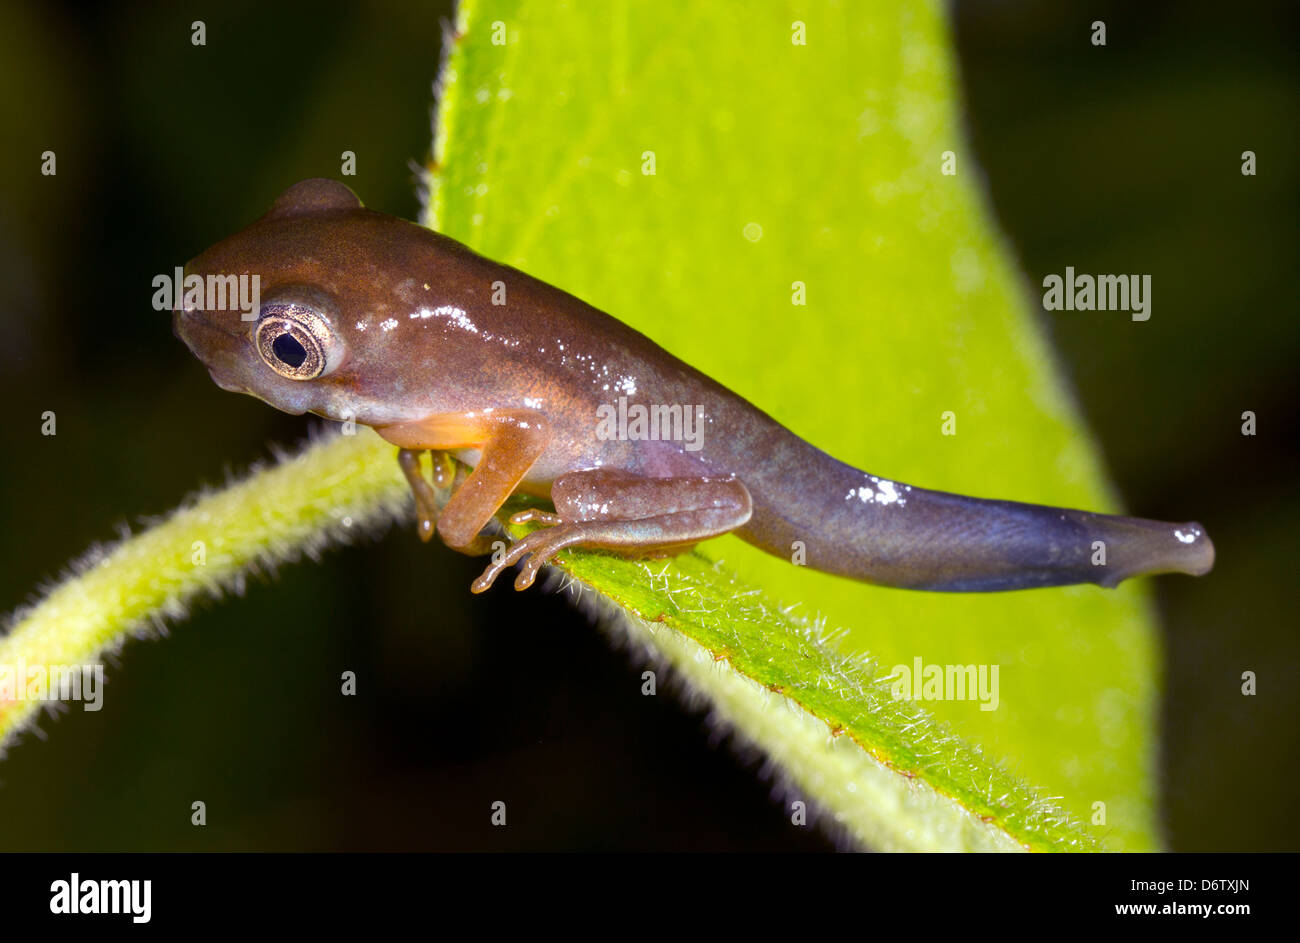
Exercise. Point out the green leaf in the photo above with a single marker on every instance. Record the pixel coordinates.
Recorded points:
(777, 163)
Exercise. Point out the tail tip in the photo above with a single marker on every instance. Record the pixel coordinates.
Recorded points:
(1196, 556)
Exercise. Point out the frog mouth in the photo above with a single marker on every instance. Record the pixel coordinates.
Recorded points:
(191, 328)
(226, 385)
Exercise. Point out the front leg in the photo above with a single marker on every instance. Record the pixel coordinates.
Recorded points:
(426, 499)
(509, 440)
(626, 514)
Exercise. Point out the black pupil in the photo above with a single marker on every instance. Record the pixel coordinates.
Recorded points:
(288, 350)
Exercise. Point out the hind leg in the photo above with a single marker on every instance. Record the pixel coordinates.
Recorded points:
(625, 514)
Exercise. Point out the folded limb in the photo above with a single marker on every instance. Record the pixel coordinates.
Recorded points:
(509, 442)
(626, 514)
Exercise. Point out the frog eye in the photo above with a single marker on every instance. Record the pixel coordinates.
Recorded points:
(296, 342)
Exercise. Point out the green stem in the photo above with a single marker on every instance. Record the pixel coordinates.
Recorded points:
(330, 492)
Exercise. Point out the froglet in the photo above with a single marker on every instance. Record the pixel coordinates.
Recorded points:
(369, 317)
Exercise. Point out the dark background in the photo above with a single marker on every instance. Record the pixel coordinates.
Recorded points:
(1115, 160)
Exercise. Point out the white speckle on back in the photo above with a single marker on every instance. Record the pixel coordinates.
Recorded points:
(885, 492)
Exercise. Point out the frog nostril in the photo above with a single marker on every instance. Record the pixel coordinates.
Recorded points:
(289, 350)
